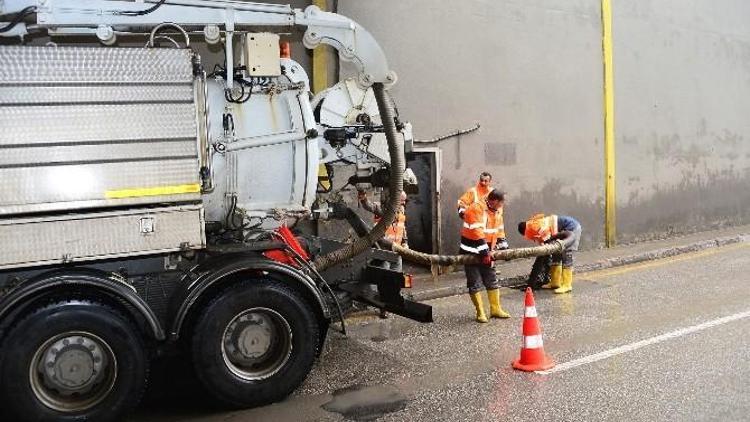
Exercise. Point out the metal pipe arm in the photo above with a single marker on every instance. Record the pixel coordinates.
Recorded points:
(85, 17)
(351, 40)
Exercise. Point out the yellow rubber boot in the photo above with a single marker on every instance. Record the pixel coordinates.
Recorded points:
(496, 311)
(476, 298)
(567, 281)
(555, 275)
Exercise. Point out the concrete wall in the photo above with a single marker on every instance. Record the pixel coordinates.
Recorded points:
(530, 72)
(682, 81)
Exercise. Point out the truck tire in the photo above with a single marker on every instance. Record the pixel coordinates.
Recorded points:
(255, 343)
(70, 361)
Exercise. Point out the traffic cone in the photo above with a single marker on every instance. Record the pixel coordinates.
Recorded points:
(532, 353)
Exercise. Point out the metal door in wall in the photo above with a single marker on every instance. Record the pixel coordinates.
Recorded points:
(423, 210)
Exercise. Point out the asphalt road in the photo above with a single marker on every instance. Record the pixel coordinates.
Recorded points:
(663, 340)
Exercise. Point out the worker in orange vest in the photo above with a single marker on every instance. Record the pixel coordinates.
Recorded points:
(482, 228)
(396, 231)
(478, 194)
(542, 228)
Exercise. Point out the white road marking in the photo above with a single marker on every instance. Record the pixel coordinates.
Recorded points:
(643, 343)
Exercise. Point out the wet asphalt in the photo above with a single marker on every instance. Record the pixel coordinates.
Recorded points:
(457, 370)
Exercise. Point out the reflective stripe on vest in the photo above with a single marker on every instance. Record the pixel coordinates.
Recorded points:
(476, 250)
(475, 225)
(487, 229)
(499, 228)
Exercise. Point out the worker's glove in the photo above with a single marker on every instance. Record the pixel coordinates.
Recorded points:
(361, 195)
(501, 244)
(487, 260)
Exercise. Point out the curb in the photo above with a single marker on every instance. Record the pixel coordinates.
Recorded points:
(662, 253)
(517, 280)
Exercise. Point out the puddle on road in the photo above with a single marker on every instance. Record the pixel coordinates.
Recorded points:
(362, 403)
(377, 331)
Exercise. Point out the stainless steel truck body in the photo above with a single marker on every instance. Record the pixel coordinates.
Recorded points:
(146, 193)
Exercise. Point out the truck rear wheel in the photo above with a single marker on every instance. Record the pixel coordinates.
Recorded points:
(255, 343)
(72, 360)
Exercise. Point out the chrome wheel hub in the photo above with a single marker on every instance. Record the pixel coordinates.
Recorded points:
(256, 343)
(72, 371)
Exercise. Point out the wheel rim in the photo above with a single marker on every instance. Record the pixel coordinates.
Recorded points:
(73, 371)
(256, 343)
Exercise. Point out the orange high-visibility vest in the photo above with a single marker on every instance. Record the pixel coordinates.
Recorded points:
(481, 228)
(477, 194)
(395, 231)
(540, 228)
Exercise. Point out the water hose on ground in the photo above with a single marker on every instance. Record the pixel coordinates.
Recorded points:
(395, 186)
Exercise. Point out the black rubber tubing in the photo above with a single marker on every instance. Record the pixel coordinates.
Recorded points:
(563, 240)
(395, 186)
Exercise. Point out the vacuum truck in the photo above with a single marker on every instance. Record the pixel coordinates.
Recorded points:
(160, 170)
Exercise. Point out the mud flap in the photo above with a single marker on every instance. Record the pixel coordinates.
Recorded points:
(388, 295)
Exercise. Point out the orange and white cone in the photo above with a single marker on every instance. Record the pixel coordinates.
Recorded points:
(532, 352)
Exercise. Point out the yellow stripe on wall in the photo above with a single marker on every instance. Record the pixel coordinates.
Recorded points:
(153, 191)
(610, 204)
(320, 60)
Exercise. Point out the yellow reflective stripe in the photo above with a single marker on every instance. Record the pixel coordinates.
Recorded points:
(474, 226)
(154, 191)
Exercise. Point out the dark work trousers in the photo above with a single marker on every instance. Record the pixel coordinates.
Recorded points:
(566, 256)
(478, 274)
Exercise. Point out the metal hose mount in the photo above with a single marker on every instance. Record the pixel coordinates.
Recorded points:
(395, 186)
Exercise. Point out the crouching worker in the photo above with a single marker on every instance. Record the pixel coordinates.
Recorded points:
(481, 229)
(396, 231)
(542, 229)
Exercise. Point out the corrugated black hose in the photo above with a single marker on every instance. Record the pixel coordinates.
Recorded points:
(564, 240)
(395, 186)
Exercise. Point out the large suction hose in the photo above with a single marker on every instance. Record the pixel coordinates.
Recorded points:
(564, 239)
(395, 186)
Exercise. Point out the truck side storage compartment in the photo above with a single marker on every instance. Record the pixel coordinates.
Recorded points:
(100, 235)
